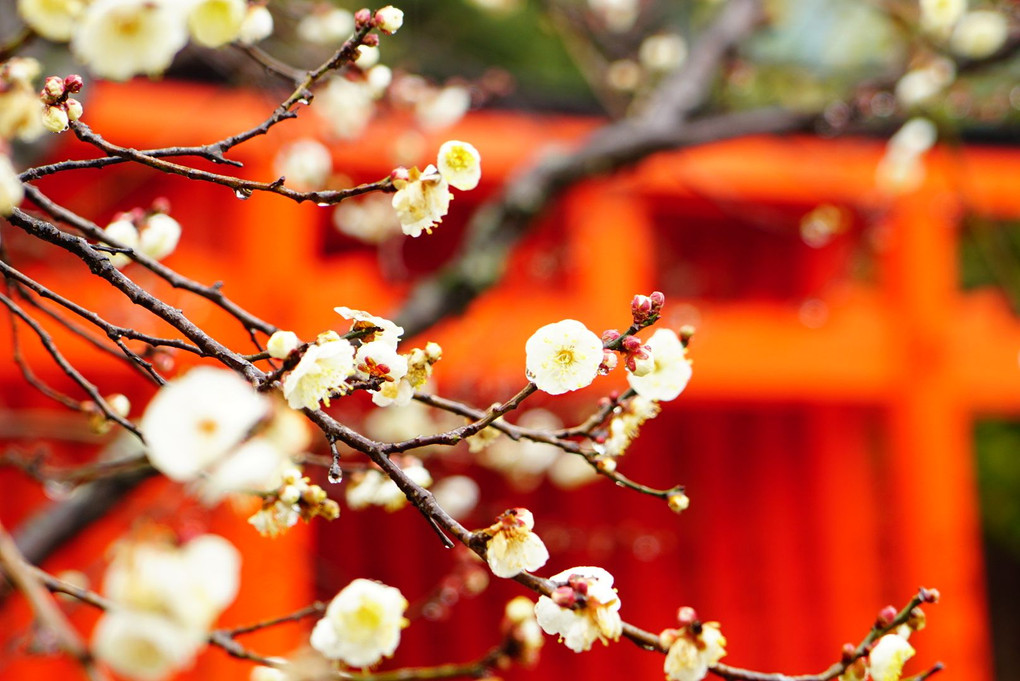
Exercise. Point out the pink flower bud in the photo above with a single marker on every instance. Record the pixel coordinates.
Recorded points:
(848, 652)
(658, 300)
(400, 174)
(389, 19)
(579, 584)
(362, 17)
(371, 40)
(74, 83)
(160, 204)
(564, 597)
(686, 616)
(631, 344)
(886, 615)
(609, 335)
(930, 595)
(609, 361)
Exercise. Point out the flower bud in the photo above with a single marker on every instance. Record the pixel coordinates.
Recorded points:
(886, 615)
(564, 597)
(609, 335)
(929, 595)
(74, 108)
(641, 363)
(686, 616)
(678, 502)
(606, 465)
(53, 89)
(362, 17)
(609, 362)
(389, 19)
(917, 619)
(433, 352)
(74, 83)
(55, 119)
(290, 494)
(119, 404)
(282, 343)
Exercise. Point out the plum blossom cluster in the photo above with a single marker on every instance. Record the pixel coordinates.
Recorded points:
(362, 624)
(367, 355)
(20, 113)
(165, 597)
(295, 498)
(693, 647)
(153, 233)
(566, 355)
(423, 196)
(58, 106)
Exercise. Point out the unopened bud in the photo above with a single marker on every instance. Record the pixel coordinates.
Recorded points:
(119, 404)
(609, 362)
(886, 615)
(929, 595)
(371, 40)
(564, 597)
(362, 17)
(847, 654)
(329, 509)
(55, 119)
(389, 19)
(400, 175)
(658, 299)
(641, 309)
(606, 465)
(686, 333)
(686, 616)
(74, 83)
(678, 502)
(641, 363)
(53, 89)
(610, 335)
(917, 619)
(433, 352)
(631, 344)
(74, 108)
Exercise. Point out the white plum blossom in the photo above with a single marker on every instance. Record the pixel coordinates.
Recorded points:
(888, 657)
(125, 234)
(979, 34)
(374, 488)
(255, 466)
(282, 343)
(921, 85)
(584, 608)
(389, 19)
(672, 369)
(397, 393)
(52, 19)
(385, 330)
(663, 52)
(322, 370)
(901, 168)
(158, 236)
(20, 113)
(306, 163)
(939, 16)
(368, 56)
(379, 359)
(460, 164)
(563, 356)
(346, 105)
(55, 119)
(362, 624)
(691, 654)
(143, 645)
(11, 191)
(214, 23)
(326, 25)
(197, 419)
(421, 200)
(370, 219)
(457, 495)
(257, 25)
(438, 109)
(191, 585)
(513, 547)
(118, 39)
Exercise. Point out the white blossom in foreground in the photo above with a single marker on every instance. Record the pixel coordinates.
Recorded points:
(979, 34)
(52, 19)
(257, 25)
(306, 163)
(671, 372)
(121, 38)
(197, 419)
(282, 343)
(460, 164)
(20, 114)
(362, 624)
(513, 547)
(255, 466)
(421, 200)
(692, 650)
(888, 657)
(191, 584)
(346, 105)
(158, 236)
(214, 23)
(563, 356)
(457, 495)
(322, 371)
(583, 608)
(143, 645)
(11, 191)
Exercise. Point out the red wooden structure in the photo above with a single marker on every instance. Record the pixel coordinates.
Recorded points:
(825, 439)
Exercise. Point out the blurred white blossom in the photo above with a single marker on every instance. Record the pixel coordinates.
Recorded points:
(362, 624)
